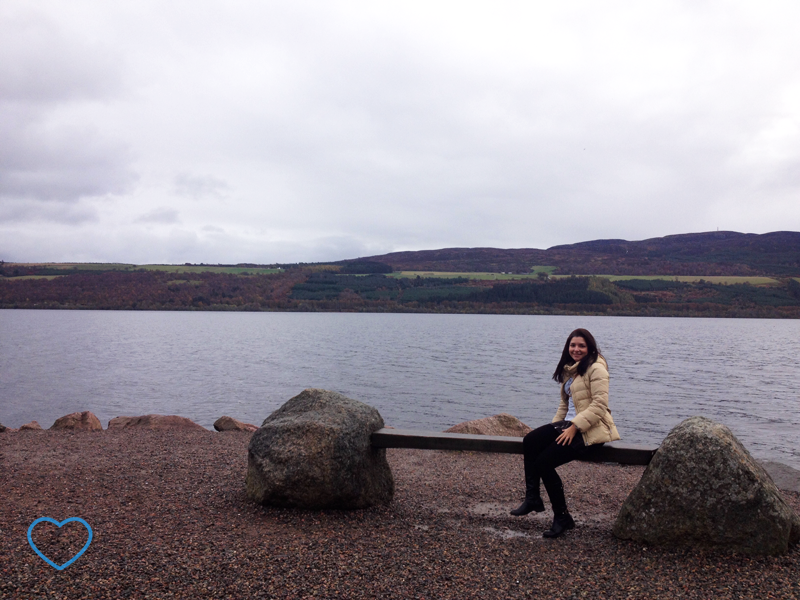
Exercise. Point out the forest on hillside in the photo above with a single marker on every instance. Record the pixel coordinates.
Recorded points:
(328, 289)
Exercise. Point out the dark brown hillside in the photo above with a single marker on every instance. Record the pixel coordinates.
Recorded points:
(465, 259)
(712, 253)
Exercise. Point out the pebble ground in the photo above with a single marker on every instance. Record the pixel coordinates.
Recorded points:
(171, 520)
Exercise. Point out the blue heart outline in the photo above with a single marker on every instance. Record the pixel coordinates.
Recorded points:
(59, 525)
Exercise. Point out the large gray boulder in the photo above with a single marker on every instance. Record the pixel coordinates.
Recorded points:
(315, 452)
(703, 488)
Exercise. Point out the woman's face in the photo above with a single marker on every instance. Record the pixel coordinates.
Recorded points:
(577, 348)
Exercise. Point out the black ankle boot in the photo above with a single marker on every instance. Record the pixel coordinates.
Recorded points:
(560, 524)
(530, 504)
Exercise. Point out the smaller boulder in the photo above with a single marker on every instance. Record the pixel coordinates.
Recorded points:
(119, 422)
(155, 422)
(231, 424)
(502, 424)
(78, 421)
(32, 426)
(2, 428)
(784, 476)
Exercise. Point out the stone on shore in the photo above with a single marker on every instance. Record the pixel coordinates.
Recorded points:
(315, 452)
(78, 421)
(703, 489)
(156, 422)
(2, 428)
(784, 476)
(502, 424)
(230, 424)
(32, 426)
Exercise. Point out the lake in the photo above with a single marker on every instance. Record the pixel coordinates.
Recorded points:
(421, 371)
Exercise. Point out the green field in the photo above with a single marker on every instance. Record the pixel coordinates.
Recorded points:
(23, 277)
(477, 276)
(167, 268)
(194, 282)
(209, 269)
(77, 266)
(719, 279)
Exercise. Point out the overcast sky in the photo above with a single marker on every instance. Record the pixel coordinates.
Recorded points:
(257, 131)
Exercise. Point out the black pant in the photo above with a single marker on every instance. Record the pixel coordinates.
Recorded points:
(542, 456)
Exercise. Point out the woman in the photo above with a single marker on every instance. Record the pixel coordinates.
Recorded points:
(582, 419)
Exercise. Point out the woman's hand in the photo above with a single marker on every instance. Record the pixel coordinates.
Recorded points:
(565, 439)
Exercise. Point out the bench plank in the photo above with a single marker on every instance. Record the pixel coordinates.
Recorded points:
(616, 452)
(436, 440)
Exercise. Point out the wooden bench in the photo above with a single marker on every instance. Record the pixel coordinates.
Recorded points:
(614, 452)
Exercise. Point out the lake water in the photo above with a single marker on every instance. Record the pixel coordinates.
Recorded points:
(420, 371)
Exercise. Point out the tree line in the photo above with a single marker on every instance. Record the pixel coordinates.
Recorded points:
(307, 290)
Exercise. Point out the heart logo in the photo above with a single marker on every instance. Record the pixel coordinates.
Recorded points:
(59, 525)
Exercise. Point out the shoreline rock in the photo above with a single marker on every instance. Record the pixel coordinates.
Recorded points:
(502, 425)
(78, 421)
(32, 426)
(226, 423)
(156, 422)
(785, 477)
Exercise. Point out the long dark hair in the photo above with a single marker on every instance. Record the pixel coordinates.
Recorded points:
(586, 361)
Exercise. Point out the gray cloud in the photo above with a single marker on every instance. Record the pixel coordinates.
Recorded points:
(318, 131)
(161, 216)
(41, 63)
(54, 148)
(14, 211)
(198, 186)
(41, 160)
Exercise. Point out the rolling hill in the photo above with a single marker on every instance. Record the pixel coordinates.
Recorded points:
(712, 253)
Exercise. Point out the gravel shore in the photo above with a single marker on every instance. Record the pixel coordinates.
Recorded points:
(171, 520)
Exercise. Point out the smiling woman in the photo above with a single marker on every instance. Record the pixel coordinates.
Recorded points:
(582, 420)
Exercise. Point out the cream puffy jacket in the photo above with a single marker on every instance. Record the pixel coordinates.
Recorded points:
(590, 395)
